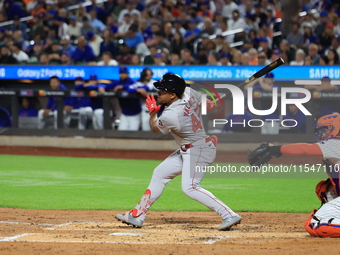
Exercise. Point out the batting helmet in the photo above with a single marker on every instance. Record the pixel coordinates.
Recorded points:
(328, 127)
(172, 83)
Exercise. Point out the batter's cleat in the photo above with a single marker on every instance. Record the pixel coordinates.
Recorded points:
(128, 219)
(229, 222)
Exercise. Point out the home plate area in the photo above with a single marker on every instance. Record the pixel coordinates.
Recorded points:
(151, 233)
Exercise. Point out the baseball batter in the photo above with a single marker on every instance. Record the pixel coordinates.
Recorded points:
(181, 117)
(324, 222)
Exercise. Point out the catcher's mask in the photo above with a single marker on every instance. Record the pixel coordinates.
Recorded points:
(172, 83)
(328, 127)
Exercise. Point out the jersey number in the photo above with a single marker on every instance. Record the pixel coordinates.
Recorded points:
(196, 124)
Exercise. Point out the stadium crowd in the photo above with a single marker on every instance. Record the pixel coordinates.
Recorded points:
(160, 33)
(169, 32)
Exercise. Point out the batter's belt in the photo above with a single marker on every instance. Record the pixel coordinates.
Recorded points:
(199, 142)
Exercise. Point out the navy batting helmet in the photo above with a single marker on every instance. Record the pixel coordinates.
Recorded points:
(171, 82)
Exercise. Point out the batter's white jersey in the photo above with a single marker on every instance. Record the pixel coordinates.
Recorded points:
(183, 119)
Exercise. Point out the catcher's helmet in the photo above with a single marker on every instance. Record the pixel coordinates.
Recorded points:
(328, 127)
(172, 83)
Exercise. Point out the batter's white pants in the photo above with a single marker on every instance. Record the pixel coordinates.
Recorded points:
(185, 163)
(52, 118)
(85, 113)
(129, 123)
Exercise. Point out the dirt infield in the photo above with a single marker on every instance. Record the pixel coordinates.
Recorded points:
(97, 232)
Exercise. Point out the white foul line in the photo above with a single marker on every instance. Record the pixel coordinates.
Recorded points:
(25, 223)
(8, 239)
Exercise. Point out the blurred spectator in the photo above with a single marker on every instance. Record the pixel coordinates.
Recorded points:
(133, 37)
(49, 114)
(13, 9)
(275, 55)
(109, 6)
(17, 36)
(18, 25)
(236, 21)
(191, 34)
(204, 10)
(313, 53)
(124, 26)
(7, 57)
(34, 54)
(107, 60)
(158, 58)
(74, 28)
(81, 13)
(253, 57)
(83, 52)
(168, 31)
(94, 41)
(175, 59)
(295, 37)
(37, 27)
(130, 119)
(245, 59)
(264, 46)
(27, 108)
(95, 22)
(323, 61)
(67, 46)
(294, 113)
(224, 28)
(187, 59)
(321, 27)
(333, 57)
(308, 35)
(65, 59)
(31, 5)
(259, 16)
(43, 59)
(39, 8)
(135, 60)
(55, 55)
(118, 8)
(308, 61)
(124, 58)
(286, 50)
(108, 44)
(263, 60)
(250, 23)
(62, 27)
(178, 27)
(228, 9)
(299, 58)
(177, 43)
(87, 27)
(219, 40)
(237, 58)
(130, 9)
(21, 56)
(326, 37)
(100, 12)
(208, 26)
(225, 59)
(336, 43)
(213, 59)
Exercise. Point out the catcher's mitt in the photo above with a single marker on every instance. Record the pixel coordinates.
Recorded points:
(261, 155)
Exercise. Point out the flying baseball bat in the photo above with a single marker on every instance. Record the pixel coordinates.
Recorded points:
(263, 71)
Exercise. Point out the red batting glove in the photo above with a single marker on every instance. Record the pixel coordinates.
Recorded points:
(210, 105)
(151, 104)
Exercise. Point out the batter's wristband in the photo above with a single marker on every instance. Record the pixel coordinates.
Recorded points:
(275, 151)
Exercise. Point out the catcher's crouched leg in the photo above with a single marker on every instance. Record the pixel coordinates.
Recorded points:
(322, 229)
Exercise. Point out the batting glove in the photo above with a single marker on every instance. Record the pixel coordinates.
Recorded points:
(151, 104)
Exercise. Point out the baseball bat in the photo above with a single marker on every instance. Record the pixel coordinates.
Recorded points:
(278, 62)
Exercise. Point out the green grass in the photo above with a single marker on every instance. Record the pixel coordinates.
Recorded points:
(34, 182)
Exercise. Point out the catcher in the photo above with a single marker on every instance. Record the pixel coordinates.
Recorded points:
(324, 222)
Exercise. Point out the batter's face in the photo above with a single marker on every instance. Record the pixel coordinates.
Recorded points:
(165, 97)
